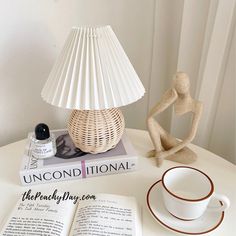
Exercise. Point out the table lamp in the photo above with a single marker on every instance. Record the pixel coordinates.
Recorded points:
(93, 76)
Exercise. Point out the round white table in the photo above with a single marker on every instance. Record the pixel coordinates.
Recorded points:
(222, 172)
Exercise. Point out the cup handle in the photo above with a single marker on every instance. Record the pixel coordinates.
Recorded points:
(225, 203)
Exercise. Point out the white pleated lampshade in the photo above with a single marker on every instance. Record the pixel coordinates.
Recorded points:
(92, 72)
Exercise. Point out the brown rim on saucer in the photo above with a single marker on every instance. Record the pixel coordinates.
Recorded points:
(186, 199)
(181, 218)
(176, 230)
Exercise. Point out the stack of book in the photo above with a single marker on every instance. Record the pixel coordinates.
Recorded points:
(71, 163)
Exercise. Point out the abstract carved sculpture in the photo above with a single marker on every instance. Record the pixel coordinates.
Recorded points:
(166, 146)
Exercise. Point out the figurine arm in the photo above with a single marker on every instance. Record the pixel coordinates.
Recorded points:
(195, 122)
(167, 99)
(192, 133)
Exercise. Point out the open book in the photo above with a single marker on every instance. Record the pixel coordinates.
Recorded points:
(97, 215)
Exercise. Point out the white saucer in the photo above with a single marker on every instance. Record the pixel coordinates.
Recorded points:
(206, 223)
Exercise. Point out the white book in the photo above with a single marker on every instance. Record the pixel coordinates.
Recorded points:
(71, 163)
(97, 215)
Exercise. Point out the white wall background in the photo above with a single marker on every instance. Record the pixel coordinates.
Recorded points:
(33, 33)
(159, 36)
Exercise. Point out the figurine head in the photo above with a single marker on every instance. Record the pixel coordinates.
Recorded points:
(181, 83)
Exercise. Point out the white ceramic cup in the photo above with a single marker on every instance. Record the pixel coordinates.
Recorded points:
(187, 192)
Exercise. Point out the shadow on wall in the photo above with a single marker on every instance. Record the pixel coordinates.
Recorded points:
(27, 56)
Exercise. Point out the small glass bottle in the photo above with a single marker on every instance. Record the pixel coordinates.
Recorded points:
(43, 145)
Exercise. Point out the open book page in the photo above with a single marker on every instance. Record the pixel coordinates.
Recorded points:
(41, 217)
(107, 215)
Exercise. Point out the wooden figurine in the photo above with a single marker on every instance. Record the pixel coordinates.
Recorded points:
(167, 146)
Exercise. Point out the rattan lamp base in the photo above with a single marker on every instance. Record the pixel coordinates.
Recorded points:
(96, 131)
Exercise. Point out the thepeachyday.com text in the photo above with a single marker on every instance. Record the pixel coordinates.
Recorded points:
(55, 196)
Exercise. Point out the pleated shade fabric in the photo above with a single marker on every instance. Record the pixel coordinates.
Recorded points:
(92, 72)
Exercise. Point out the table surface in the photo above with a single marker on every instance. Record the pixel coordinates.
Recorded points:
(222, 172)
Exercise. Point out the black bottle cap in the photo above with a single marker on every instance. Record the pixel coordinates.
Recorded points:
(42, 131)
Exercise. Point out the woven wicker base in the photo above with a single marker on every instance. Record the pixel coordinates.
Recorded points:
(96, 131)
